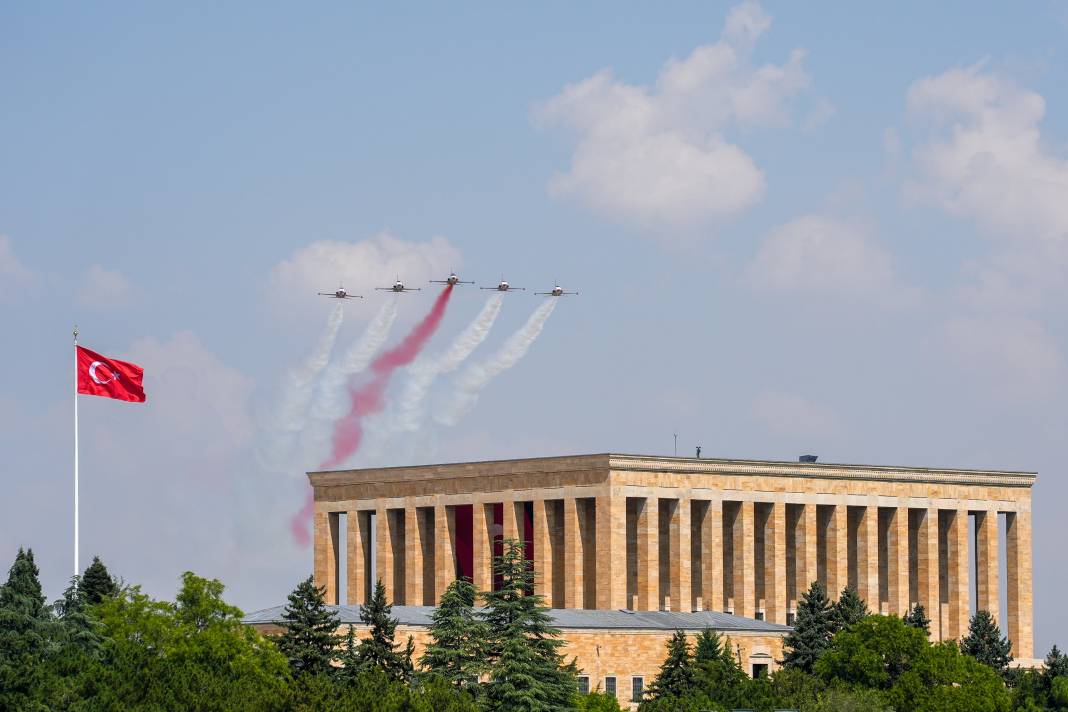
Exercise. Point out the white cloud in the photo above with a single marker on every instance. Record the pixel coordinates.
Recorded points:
(1014, 358)
(792, 415)
(360, 266)
(102, 289)
(14, 275)
(815, 254)
(656, 157)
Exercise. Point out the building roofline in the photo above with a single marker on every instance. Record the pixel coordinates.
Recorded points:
(691, 465)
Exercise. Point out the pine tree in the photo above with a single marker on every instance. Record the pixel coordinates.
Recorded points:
(24, 635)
(849, 609)
(527, 672)
(708, 646)
(379, 649)
(985, 643)
(96, 583)
(917, 618)
(455, 651)
(350, 663)
(1056, 665)
(813, 630)
(79, 628)
(677, 677)
(309, 640)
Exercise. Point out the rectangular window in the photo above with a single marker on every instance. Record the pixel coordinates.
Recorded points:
(637, 688)
(610, 686)
(760, 670)
(790, 617)
(584, 685)
(760, 615)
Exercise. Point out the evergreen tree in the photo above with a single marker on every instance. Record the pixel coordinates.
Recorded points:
(79, 629)
(309, 640)
(527, 672)
(813, 630)
(917, 618)
(849, 609)
(708, 646)
(24, 636)
(1056, 665)
(677, 677)
(378, 649)
(457, 637)
(985, 643)
(96, 583)
(350, 662)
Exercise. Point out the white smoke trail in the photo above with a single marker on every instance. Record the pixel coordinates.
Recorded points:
(474, 378)
(331, 397)
(290, 415)
(410, 405)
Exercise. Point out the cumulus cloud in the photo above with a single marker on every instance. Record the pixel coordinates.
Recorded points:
(656, 156)
(102, 289)
(360, 266)
(792, 415)
(815, 254)
(13, 274)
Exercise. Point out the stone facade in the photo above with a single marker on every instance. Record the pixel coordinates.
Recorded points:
(661, 533)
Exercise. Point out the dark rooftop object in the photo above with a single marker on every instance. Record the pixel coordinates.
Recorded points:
(808, 458)
(568, 618)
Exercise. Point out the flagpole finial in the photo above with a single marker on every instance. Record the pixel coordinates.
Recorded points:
(75, 333)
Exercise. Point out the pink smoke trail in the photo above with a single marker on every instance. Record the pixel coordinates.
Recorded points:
(368, 399)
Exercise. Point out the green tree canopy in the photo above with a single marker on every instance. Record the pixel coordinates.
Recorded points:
(678, 676)
(813, 630)
(917, 618)
(309, 640)
(850, 608)
(379, 649)
(25, 632)
(96, 583)
(457, 637)
(985, 643)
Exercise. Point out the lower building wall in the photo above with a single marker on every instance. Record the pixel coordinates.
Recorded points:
(622, 654)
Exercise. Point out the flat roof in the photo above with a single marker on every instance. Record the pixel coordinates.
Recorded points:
(567, 619)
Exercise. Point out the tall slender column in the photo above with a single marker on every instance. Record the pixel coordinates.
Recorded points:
(444, 549)
(357, 556)
(649, 555)
(744, 562)
(959, 591)
(1018, 560)
(868, 557)
(986, 562)
(775, 565)
(838, 551)
(898, 561)
(326, 553)
(679, 564)
(712, 557)
(612, 551)
(927, 569)
(384, 553)
(806, 554)
(574, 587)
(413, 558)
(543, 553)
(512, 527)
(482, 546)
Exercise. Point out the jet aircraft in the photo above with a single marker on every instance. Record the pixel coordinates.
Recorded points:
(398, 287)
(451, 279)
(503, 286)
(556, 291)
(340, 293)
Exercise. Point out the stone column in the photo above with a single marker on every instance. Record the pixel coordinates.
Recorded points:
(679, 561)
(1018, 559)
(927, 569)
(868, 557)
(326, 553)
(444, 549)
(611, 552)
(649, 555)
(512, 526)
(775, 565)
(986, 562)
(543, 562)
(806, 550)
(712, 557)
(959, 591)
(413, 558)
(482, 546)
(838, 551)
(357, 556)
(744, 562)
(897, 541)
(384, 553)
(574, 586)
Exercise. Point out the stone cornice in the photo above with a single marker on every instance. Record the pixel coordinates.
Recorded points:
(690, 466)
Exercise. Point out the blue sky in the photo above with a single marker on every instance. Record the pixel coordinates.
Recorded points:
(829, 228)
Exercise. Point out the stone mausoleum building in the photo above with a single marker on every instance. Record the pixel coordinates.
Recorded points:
(628, 548)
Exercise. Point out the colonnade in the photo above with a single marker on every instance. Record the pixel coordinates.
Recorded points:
(662, 551)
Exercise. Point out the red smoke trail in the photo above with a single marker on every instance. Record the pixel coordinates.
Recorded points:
(369, 399)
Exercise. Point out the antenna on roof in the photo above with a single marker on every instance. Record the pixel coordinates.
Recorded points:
(698, 452)
(676, 444)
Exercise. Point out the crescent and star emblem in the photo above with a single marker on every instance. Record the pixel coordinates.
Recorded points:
(93, 369)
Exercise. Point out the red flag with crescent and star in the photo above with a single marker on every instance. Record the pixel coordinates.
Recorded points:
(102, 376)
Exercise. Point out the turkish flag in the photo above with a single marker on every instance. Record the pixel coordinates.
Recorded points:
(102, 376)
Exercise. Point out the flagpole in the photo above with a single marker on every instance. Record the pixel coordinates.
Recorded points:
(76, 570)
